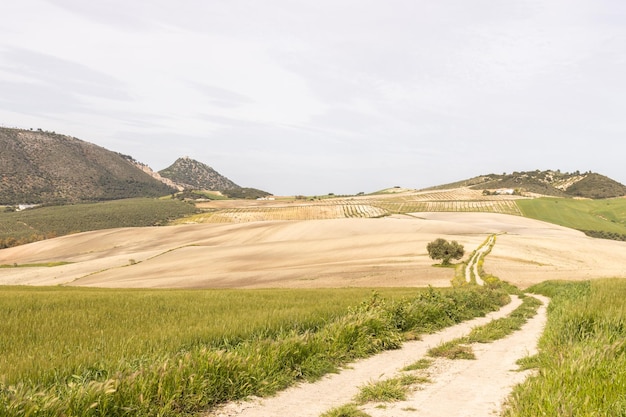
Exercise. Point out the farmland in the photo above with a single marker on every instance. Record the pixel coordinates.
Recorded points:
(460, 200)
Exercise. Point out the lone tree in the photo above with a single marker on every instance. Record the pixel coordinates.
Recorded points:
(444, 250)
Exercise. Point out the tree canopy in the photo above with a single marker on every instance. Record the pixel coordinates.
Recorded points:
(441, 249)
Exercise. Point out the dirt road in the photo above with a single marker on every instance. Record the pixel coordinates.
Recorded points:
(457, 388)
(472, 265)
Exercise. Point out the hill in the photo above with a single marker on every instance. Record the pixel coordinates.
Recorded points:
(196, 175)
(38, 167)
(549, 183)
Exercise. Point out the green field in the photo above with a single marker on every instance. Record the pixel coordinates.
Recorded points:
(582, 359)
(46, 222)
(587, 215)
(81, 351)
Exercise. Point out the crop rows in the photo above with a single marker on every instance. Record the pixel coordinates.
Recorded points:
(482, 206)
(304, 212)
(460, 194)
(363, 210)
(351, 209)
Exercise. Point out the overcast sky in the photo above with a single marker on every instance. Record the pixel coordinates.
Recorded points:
(319, 96)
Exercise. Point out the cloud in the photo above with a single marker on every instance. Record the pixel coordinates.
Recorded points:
(300, 93)
(220, 96)
(66, 75)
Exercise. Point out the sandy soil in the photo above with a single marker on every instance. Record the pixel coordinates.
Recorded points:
(316, 253)
(457, 388)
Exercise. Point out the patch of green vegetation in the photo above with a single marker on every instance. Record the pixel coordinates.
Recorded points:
(582, 355)
(348, 410)
(174, 352)
(38, 265)
(418, 365)
(594, 217)
(47, 222)
(245, 193)
(453, 349)
(199, 195)
(528, 362)
(389, 390)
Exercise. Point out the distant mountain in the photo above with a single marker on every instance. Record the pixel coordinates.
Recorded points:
(550, 183)
(196, 175)
(38, 167)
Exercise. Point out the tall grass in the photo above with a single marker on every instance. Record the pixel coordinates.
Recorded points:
(68, 331)
(582, 360)
(92, 352)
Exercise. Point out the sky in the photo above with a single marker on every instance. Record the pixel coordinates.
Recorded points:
(326, 96)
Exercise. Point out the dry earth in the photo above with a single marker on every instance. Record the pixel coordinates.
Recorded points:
(387, 251)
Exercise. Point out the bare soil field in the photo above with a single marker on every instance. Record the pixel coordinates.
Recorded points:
(376, 252)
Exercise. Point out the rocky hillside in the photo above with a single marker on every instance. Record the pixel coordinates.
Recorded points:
(196, 175)
(551, 183)
(38, 167)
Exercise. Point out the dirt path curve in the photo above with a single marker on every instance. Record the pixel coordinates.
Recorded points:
(484, 382)
(472, 264)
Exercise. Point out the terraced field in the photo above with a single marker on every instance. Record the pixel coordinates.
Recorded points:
(458, 200)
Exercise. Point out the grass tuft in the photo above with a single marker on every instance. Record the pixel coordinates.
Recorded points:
(389, 390)
(452, 350)
(419, 365)
(348, 410)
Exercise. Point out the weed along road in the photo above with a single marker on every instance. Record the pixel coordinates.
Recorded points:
(443, 387)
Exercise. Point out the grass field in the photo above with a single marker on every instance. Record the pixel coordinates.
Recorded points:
(587, 215)
(582, 359)
(72, 351)
(101, 326)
